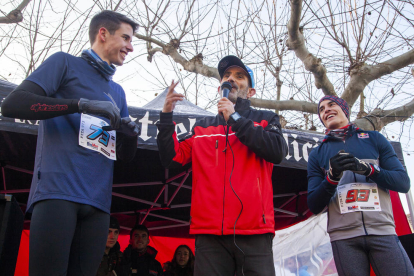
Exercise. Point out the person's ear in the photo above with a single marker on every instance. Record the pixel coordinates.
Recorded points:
(102, 34)
(251, 92)
(219, 91)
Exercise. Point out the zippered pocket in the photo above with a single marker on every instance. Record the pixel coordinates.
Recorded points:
(261, 199)
(217, 153)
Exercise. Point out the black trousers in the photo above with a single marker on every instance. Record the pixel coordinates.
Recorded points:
(66, 238)
(219, 255)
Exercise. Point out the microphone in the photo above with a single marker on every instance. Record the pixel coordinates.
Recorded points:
(225, 88)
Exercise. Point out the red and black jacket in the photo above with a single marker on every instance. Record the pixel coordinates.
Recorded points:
(256, 141)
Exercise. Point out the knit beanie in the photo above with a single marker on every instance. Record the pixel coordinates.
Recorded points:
(342, 104)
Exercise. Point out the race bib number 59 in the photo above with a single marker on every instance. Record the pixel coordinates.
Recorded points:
(354, 197)
(93, 137)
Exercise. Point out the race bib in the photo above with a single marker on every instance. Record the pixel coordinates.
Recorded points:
(354, 197)
(93, 137)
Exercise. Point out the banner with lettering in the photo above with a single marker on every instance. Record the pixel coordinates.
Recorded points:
(185, 116)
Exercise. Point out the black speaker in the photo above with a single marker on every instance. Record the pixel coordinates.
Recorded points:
(407, 242)
(11, 227)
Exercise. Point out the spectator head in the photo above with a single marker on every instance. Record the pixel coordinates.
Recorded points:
(113, 232)
(166, 266)
(183, 257)
(297, 262)
(139, 238)
(333, 112)
(291, 264)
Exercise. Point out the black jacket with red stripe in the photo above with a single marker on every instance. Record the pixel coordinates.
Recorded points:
(256, 141)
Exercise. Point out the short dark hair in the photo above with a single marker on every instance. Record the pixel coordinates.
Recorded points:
(138, 227)
(111, 21)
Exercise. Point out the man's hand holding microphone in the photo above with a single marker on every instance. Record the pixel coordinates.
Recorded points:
(225, 106)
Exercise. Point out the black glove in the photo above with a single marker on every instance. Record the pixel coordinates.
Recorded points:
(339, 163)
(361, 167)
(129, 127)
(101, 108)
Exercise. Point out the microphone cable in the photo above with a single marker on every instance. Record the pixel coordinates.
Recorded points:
(241, 202)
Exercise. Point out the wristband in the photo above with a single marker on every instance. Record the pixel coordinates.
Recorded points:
(333, 182)
(375, 170)
(233, 119)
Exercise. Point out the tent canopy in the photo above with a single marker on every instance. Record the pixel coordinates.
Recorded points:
(143, 190)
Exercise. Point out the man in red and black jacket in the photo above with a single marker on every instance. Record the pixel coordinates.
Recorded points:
(232, 158)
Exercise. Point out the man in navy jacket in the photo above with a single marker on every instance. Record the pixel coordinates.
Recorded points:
(351, 172)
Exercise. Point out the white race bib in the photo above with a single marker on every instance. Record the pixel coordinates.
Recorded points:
(93, 137)
(354, 197)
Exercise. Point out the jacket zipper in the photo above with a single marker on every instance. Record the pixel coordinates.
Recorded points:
(261, 197)
(363, 223)
(224, 190)
(362, 212)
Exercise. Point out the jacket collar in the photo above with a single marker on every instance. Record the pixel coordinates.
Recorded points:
(151, 251)
(116, 248)
(242, 104)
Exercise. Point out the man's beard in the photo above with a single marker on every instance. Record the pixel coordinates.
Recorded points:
(238, 94)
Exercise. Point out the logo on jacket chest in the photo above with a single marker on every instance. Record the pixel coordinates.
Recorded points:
(363, 135)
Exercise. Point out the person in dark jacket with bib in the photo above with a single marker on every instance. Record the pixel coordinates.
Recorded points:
(232, 158)
(351, 172)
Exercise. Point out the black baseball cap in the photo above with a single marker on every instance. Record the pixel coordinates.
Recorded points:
(113, 223)
(230, 61)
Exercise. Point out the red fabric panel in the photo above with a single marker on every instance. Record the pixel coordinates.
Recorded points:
(166, 247)
(22, 265)
(401, 223)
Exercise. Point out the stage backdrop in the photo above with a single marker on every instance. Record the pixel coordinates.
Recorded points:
(305, 243)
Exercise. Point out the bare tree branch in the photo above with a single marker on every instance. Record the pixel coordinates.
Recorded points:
(117, 5)
(15, 16)
(194, 65)
(378, 118)
(286, 105)
(184, 31)
(361, 76)
(296, 42)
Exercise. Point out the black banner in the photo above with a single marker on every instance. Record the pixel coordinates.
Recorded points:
(300, 143)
